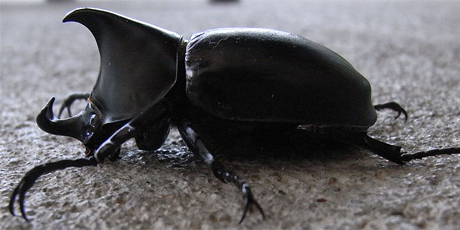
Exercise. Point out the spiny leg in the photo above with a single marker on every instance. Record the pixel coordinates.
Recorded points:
(196, 145)
(32, 175)
(69, 101)
(393, 106)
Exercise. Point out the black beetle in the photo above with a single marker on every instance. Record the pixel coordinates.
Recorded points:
(219, 88)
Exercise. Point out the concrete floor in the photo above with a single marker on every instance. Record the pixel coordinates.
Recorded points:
(409, 51)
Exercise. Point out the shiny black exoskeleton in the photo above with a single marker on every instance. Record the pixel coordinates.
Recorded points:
(219, 88)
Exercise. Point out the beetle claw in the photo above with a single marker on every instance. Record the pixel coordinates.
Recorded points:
(249, 202)
(226, 176)
(26, 183)
(32, 175)
(22, 196)
(393, 106)
(402, 112)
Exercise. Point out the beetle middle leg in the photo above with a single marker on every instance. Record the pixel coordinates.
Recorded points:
(154, 137)
(196, 145)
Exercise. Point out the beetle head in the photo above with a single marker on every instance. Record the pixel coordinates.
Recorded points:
(81, 126)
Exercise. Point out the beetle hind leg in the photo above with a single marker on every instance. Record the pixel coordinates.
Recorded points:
(392, 106)
(430, 153)
(392, 152)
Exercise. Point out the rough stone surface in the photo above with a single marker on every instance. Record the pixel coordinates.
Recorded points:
(409, 51)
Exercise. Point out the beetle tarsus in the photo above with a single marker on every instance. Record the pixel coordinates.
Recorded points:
(392, 152)
(434, 152)
(196, 145)
(70, 100)
(21, 192)
(249, 201)
(227, 176)
(32, 175)
(393, 106)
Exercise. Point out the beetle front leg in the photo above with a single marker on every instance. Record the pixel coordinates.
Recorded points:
(197, 146)
(154, 120)
(32, 176)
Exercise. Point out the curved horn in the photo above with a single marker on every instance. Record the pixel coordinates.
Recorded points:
(78, 126)
(137, 62)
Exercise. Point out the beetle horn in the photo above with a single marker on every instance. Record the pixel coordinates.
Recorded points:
(71, 127)
(138, 62)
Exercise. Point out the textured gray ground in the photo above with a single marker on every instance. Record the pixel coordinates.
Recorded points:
(409, 51)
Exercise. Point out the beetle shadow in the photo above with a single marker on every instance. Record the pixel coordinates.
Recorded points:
(295, 150)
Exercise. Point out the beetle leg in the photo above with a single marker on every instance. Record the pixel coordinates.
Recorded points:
(393, 106)
(392, 152)
(387, 151)
(433, 152)
(69, 101)
(197, 146)
(226, 176)
(156, 117)
(155, 136)
(32, 175)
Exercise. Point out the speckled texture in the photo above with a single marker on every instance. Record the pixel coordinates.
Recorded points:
(409, 51)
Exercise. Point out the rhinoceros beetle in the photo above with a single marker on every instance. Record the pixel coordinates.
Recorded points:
(218, 87)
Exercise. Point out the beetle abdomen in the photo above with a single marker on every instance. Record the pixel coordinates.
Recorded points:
(267, 75)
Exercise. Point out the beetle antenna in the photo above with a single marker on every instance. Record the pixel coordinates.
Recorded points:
(32, 175)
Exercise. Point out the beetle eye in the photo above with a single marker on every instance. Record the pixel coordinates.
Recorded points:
(93, 124)
(94, 121)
